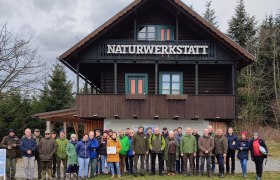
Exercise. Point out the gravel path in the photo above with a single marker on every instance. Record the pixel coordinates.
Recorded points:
(271, 165)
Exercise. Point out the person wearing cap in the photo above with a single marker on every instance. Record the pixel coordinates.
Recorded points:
(259, 152)
(157, 146)
(140, 149)
(61, 155)
(149, 155)
(171, 153)
(38, 138)
(232, 143)
(53, 136)
(243, 152)
(221, 147)
(11, 143)
(28, 148)
(188, 149)
(72, 160)
(46, 149)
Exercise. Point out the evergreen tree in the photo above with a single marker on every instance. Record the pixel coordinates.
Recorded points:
(209, 14)
(242, 27)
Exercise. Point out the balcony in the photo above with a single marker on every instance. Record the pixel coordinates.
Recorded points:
(163, 106)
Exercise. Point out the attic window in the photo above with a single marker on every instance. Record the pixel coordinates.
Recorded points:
(155, 33)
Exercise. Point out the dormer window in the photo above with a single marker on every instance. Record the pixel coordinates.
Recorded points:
(155, 33)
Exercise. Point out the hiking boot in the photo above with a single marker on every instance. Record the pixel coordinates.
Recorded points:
(119, 176)
(222, 176)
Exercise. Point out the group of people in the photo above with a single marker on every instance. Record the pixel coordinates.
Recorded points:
(186, 153)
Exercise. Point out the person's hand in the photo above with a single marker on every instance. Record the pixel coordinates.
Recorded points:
(194, 154)
(181, 154)
(14, 145)
(9, 147)
(147, 152)
(133, 152)
(28, 152)
(206, 152)
(241, 148)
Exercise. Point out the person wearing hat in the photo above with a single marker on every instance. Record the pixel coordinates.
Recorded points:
(61, 155)
(258, 153)
(46, 149)
(38, 138)
(140, 149)
(11, 143)
(53, 136)
(243, 152)
(72, 161)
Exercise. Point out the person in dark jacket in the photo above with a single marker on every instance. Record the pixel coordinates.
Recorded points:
(127, 132)
(82, 149)
(196, 159)
(243, 152)
(232, 142)
(140, 149)
(98, 137)
(171, 153)
(11, 143)
(257, 155)
(28, 148)
(157, 146)
(94, 148)
(149, 155)
(179, 162)
(103, 152)
(38, 138)
(221, 147)
(53, 136)
(212, 134)
(46, 150)
(130, 152)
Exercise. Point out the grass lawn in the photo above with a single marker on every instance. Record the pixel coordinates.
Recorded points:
(267, 175)
(273, 149)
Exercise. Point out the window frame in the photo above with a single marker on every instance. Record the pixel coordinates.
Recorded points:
(170, 73)
(137, 76)
(157, 32)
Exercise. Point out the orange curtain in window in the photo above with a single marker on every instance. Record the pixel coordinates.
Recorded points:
(140, 86)
(168, 35)
(162, 35)
(132, 86)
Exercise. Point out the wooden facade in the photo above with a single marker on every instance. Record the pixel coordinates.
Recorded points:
(204, 80)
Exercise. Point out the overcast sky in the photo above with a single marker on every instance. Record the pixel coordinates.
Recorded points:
(56, 25)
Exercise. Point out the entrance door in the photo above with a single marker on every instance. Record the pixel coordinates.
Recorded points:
(136, 84)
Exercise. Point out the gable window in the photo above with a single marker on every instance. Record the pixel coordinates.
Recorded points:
(155, 33)
(171, 82)
(136, 83)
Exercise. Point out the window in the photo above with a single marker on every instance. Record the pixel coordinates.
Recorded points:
(171, 83)
(136, 83)
(155, 33)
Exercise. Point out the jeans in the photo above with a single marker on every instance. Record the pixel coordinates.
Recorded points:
(160, 162)
(11, 168)
(179, 165)
(111, 164)
(186, 158)
(58, 164)
(208, 163)
(243, 163)
(98, 166)
(136, 158)
(92, 166)
(213, 163)
(29, 167)
(130, 162)
(230, 155)
(54, 165)
(83, 166)
(259, 165)
(220, 159)
(103, 159)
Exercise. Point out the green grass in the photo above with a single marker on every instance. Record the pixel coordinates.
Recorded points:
(273, 149)
(251, 176)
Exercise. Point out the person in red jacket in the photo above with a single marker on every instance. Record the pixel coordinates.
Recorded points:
(258, 153)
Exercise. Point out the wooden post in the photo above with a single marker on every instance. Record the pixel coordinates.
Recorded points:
(135, 29)
(91, 88)
(177, 28)
(233, 78)
(78, 76)
(156, 78)
(86, 86)
(196, 79)
(115, 78)
(48, 125)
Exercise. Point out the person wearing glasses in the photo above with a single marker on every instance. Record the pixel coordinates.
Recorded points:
(47, 148)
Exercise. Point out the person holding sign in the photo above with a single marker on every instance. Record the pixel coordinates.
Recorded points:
(11, 144)
(113, 154)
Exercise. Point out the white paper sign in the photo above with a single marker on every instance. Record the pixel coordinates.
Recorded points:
(111, 150)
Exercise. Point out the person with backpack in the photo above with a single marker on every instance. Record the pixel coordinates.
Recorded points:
(243, 152)
(259, 152)
(11, 143)
(157, 146)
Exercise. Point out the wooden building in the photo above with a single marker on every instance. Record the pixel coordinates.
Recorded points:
(155, 63)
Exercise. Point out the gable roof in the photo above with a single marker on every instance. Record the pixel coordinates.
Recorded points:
(185, 9)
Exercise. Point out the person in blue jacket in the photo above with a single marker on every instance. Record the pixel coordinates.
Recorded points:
(130, 152)
(232, 142)
(28, 148)
(93, 150)
(243, 152)
(82, 149)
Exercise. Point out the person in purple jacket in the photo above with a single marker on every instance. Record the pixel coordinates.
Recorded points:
(82, 149)
(130, 152)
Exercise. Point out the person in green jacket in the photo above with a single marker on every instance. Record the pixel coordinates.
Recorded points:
(125, 147)
(188, 148)
(157, 146)
(61, 155)
(72, 157)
